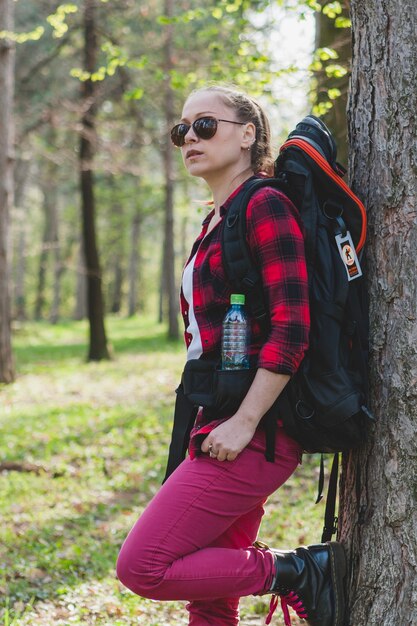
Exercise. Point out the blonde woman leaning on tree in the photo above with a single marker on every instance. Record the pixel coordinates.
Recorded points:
(195, 540)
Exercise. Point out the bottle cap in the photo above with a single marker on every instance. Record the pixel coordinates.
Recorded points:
(237, 298)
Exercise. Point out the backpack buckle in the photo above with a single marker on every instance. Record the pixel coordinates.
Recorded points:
(333, 211)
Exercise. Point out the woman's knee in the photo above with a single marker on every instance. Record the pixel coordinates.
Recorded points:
(138, 574)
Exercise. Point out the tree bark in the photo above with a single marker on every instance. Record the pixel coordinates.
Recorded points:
(116, 301)
(171, 294)
(50, 240)
(378, 508)
(80, 309)
(7, 54)
(48, 201)
(98, 342)
(58, 268)
(22, 169)
(134, 264)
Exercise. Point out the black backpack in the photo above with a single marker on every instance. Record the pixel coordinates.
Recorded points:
(323, 406)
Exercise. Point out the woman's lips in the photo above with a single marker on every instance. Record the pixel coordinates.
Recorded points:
(193, 153)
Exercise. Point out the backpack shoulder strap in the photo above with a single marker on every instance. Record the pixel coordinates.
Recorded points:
(238, 263)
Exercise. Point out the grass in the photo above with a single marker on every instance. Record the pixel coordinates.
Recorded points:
(97, 435)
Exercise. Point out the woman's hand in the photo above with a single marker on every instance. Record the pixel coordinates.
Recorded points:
(229, 439)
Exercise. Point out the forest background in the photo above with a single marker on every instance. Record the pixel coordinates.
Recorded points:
(88, 93)
(145, 59)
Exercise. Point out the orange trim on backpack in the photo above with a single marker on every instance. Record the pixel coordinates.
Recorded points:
(325, 165)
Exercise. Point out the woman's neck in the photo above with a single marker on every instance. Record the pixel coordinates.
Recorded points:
(222, 188)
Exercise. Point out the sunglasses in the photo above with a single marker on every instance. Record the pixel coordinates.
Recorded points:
(204, 127)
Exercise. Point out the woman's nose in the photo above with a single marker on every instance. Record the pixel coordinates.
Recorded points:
(190, 135)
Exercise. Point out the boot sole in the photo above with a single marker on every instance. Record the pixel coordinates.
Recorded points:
(338, 569)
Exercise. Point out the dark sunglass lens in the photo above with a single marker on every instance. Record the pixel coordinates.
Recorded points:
(205, 127)
(178, 134)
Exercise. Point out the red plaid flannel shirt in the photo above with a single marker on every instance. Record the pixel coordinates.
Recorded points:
(275, 238)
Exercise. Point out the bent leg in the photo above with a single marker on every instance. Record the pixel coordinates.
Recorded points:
(169, 553)
(225, 611)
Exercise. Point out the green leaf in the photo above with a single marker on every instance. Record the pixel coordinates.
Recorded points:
(324, 54)
(332, 10)
(313, 4)
(77, 72)
(335, 71)
(33, 35)
(316, 66)
(99, 75)
(134, 94)
(138, 64)
(343, 22)
(165, 20)
(322, 108)
(334, 93)
(233, 7)
(57, 19)
(217, 13)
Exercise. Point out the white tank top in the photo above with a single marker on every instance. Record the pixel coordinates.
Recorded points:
(195, 349)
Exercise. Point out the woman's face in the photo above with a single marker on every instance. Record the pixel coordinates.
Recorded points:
(224, 153)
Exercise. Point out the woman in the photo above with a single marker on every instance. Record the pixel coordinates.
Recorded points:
(195, 540)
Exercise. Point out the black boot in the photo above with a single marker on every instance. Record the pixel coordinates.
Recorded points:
(311, 580)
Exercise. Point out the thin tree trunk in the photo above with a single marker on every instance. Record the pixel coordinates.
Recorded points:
(134, 264)
(50, 243)
(162, 289)
(57, 267)
(80, 310)
(7, 54)
(116, 304)
(168, 250)
(378, 492)
(40, 301)
(19, 262)
(20, 270)
(98, 342)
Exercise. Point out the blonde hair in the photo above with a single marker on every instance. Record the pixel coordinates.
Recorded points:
(249, 110)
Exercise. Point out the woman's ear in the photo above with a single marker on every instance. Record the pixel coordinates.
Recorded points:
(248, 135)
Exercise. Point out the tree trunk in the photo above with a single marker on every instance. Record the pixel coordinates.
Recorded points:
(80, 310)
(168, 250)
(134, 264)
(116, 301)
(328, 36)
(50, 242)
(20, 270)
(7, 54)
(57, 267)
(40, 301)
(98, 342)
(378, 491)
(22, 169)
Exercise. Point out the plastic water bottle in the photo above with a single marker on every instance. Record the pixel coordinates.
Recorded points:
(235, 338)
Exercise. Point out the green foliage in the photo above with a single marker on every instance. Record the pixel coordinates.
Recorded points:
(343, 22)
(222, 40)
(33, 35)
(58, 19)
(332, 9)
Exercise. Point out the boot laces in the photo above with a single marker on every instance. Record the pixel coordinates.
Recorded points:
(290, 599)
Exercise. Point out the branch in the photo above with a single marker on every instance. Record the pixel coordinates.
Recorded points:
(46, 60)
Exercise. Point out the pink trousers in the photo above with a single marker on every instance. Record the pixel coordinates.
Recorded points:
(194, 541)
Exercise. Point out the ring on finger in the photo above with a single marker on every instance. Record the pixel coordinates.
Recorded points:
(212, 454)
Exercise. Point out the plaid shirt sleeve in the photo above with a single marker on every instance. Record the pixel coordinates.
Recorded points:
(275, 238)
